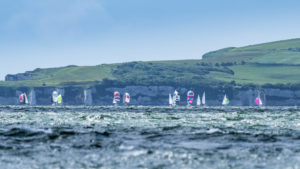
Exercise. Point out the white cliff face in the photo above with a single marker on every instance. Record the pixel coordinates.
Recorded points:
(88, 98)
(32, 98)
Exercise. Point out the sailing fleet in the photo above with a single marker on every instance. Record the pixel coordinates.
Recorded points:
(202, 102)
(173, 101)
(57, 99)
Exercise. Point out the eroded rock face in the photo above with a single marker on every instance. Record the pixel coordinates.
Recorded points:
(88, 98)
(19, 77)
(147, 95)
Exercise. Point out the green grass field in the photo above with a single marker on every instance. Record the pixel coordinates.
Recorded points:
(281, 52)
(262, 74)
(57, 76)
(281, 65)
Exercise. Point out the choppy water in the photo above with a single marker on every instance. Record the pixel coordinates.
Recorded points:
(149, 137)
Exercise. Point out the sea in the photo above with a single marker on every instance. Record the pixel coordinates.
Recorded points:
(149, 137)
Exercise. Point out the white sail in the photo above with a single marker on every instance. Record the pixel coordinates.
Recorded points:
(198, 101)
(260, 102)
(176, 98)
(54, 96)
(225, 100)
(170, 100)
(203, 98)
(26, 99)
(126, 98)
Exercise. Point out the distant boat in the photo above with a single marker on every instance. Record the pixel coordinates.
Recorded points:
(59, 99)
(176, 98)
(225, 101)
(203, 99)
(190, 97)
(23, 98)
(170, 100)
(117, 98)
(54, 97)
(198, 101)
(126, 98)
(258, 101)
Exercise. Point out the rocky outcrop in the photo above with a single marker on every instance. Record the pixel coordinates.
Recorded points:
(88, 98)
(148, 95)
(19, 77)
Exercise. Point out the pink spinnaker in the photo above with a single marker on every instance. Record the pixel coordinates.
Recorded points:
(257, 101)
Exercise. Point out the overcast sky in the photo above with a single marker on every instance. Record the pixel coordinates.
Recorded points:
(52, 33)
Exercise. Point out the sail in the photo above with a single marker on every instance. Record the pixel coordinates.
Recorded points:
(22, 98)
(260, 102)
(170, 100)
(59, 99)
(54, 96)
(198, 101)
(117, 97)
(126, 98)
(257, 100)
(203, 99)
(26, 99)
(176, 97)
(225, 100)
(190, 97)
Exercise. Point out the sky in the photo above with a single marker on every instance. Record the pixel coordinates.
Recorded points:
(54, 33)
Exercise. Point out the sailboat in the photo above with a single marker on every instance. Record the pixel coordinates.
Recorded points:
(190, 97)
(225, 101)
(59, 99)
(54, 97)
(198, 101)
(170, 100)
(258, 101)
(117, 98)
(203, 99)
(126, 98)
(23, 98)
(176, 98)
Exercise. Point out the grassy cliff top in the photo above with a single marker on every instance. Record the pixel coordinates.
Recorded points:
(274, 63)
(280, 52)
